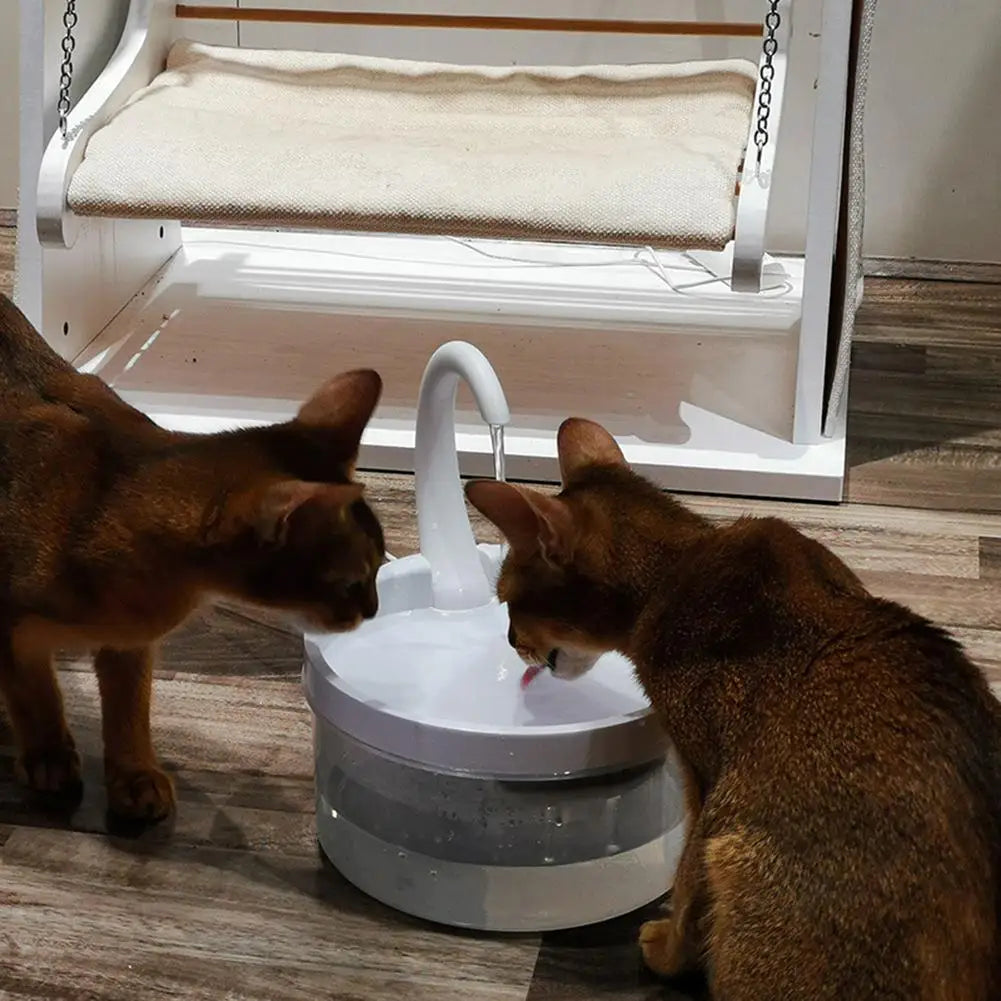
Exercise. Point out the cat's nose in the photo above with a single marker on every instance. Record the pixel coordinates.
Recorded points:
(551, 658)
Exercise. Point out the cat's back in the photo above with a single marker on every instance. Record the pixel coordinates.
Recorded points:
(859, 776)
(32, 373)
(827, 696)
(26, 360)
(66, 439)
(776, 607)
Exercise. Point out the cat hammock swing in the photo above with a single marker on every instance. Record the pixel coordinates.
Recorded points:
(669, 156)
(218, 219)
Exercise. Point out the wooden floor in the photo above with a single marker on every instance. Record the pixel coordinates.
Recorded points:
(232, 900)
(924, 424)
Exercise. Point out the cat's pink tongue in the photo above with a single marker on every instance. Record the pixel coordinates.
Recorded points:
(530, 674)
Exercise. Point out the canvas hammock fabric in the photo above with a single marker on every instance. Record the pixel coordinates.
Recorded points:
(645, 154)
(849, 285)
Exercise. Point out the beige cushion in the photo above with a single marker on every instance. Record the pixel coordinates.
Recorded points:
(644, 154)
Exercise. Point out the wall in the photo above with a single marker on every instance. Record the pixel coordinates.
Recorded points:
(934, 141)
(935, 99)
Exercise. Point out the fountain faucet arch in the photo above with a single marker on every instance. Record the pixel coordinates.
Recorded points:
(458, 578)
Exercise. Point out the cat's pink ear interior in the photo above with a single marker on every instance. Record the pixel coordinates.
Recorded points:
(279, 503)
(582, 444)
(531, 522)
(344, 404)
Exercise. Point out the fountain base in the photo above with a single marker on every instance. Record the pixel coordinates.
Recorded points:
(448, 792)
(497, 898)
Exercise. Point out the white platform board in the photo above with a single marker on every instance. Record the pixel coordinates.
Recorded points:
(697, 381)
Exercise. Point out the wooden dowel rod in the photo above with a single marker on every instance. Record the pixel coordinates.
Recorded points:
(390, 20)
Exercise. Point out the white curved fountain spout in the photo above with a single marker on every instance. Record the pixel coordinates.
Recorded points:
(458, 580)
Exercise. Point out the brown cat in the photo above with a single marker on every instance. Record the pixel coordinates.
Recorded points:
(112, 530)
(842, 757)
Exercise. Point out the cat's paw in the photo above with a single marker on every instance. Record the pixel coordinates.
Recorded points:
(140, 793)
(663, 945)
(54, 771)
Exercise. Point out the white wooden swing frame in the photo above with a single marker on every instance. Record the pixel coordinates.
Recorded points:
(134, 260)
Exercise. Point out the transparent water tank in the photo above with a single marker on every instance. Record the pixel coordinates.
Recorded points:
(447, 791)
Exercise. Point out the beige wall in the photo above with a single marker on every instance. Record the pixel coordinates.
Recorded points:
(934, 131)
(933, 134)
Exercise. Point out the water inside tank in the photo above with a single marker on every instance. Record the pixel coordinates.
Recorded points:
(457, 668)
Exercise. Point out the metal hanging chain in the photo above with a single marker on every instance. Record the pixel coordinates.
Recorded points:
(770, 46)
(66, 71)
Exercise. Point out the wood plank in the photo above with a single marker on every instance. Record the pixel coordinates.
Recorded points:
(240, 751)
(944, 312)
(924, 416)
(869, 517)
(7, 260)
(603, 962)
(211, 924)
(952, 534)
(931, 270)
(983, 647)
(937, 477)
(871, 538)
(945, 600)
(990, 557)
(231, 901)
(228, 725)
(391, 19)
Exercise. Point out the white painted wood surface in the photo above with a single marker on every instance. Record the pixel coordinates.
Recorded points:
(700, 383)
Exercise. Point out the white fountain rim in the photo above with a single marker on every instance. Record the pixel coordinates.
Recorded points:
(523, 750)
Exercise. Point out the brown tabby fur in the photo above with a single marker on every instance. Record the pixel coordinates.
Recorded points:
(112, 530)
(842, 756)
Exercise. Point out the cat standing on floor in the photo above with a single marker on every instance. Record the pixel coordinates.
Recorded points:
(113, 529)
(841, 755)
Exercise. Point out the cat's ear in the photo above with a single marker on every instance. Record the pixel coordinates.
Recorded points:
(343, 404)
(274, 508)
(582, 444)
(532, 522)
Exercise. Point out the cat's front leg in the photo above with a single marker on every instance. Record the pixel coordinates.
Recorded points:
(674, 945)
(138, 788)
(47, 759)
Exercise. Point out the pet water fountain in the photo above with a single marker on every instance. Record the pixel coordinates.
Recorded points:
(444, 788)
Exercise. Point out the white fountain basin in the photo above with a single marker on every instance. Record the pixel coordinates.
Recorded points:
(448, 792)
